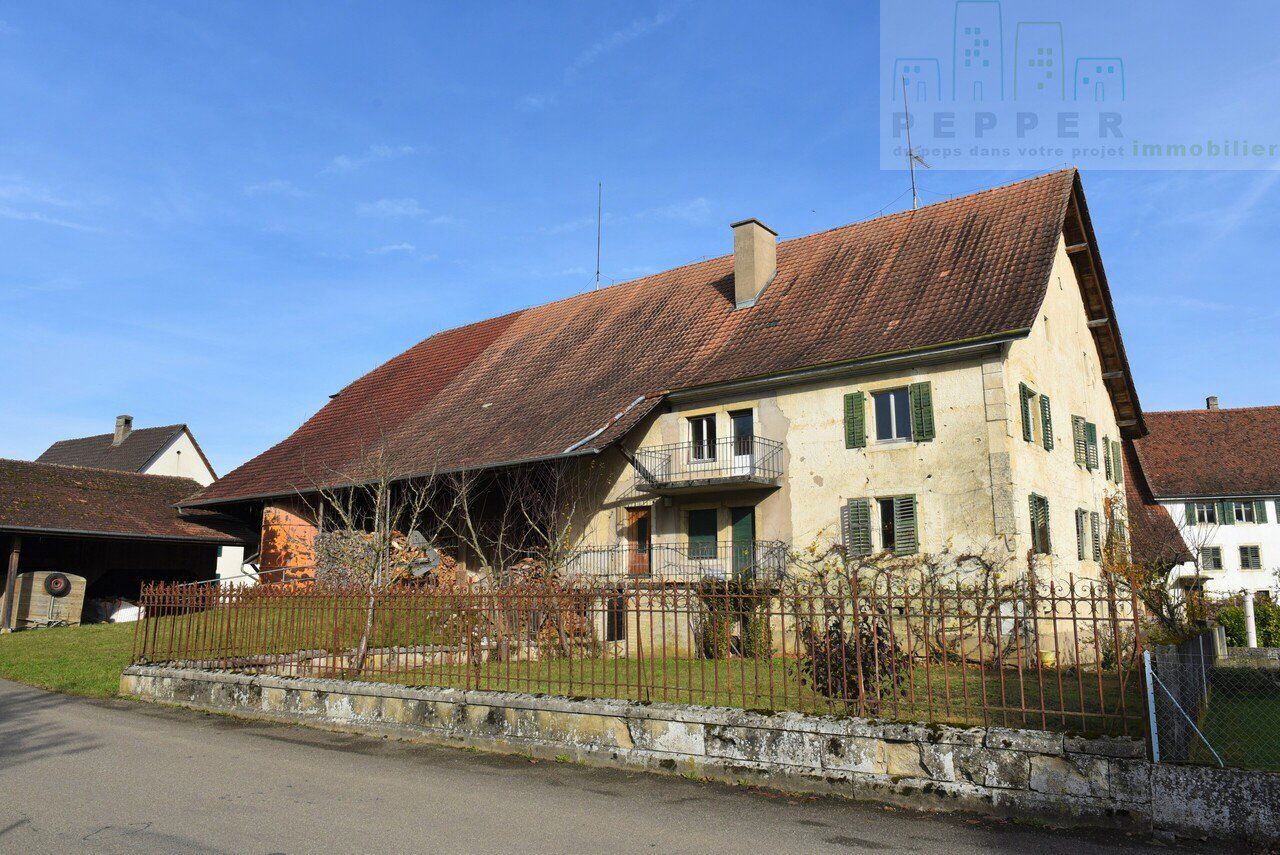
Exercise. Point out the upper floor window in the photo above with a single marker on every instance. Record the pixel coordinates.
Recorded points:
(1250, 558)
(1037, 417)
(1244, 512)
(893, 414)
(702, 435)
(1202, 513)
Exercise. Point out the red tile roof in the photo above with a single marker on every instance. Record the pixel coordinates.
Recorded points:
(541, 381)
(138, 449)
(1204, 453)
(1154, 539)
(51, 498)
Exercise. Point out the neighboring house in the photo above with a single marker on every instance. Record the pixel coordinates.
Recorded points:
(169, 450)
(946, 378)
(1217, 474)
(116, 529)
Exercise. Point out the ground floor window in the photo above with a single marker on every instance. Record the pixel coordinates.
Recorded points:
(1250, 558)
(899, 529)
(1211, 558)
(702, 533)
(1039, 524)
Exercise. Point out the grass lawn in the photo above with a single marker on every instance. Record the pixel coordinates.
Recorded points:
(1242, 729)
(78, 660)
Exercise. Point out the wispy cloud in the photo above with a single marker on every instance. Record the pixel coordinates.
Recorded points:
(599, 49)
(15, 188)
(1175, 301)
(8, 213)
(274, 187)
(402, 209)
(390, 248)
(373, 154)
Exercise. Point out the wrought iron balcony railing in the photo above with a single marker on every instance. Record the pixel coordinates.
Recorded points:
(684, 467)
(685, 561)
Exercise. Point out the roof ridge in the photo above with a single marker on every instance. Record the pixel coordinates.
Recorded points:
(126, 473)
(1206, 410)
(132, 431)
(851, 224)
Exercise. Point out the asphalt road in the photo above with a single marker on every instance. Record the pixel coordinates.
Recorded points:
(111, 776)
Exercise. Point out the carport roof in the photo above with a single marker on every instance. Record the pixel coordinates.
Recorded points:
(50, 498)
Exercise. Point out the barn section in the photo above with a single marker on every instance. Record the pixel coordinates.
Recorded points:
(116, 529)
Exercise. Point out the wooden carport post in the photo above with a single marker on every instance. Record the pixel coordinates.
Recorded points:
(10, 583)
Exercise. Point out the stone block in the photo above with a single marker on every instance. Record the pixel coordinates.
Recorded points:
(857, 754)
(596, 731)
(674, 737)
(762, 745)
(1131, 781)
(992, 767)
(1031, 741)
(902, 760)
(1106, 746)
(1074, 775)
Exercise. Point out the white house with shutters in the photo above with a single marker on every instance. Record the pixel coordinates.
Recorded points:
(1217, 474)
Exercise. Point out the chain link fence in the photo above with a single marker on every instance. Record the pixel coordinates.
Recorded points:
(1210, 704)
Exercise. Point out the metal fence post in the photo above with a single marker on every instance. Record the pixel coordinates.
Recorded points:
(1151, 706)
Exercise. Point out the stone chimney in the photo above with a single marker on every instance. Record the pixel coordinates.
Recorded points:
(124, 426)
(1211, 402)
(755, 260)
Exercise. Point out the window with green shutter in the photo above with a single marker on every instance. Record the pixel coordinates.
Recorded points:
(1078, 440)
(1081, 535)
(855, 522)
(1106, 457)
(1117, 465)
(922, 411)
(1039, 506)
(1046, 422)
(906, 540)
(1024, 397)
(855, 420)
(1091, 446)
(1226, 512)
(1259, 511)
(1250, 558)
(1211, 558)
(1095, 532)
(702, 533)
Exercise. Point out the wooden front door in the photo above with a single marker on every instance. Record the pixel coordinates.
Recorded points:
(639, 535)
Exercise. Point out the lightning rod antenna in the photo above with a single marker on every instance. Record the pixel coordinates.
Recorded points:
(599, 226)
(911, 155)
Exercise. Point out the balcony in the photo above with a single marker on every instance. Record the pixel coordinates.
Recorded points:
(685, 562)
(694, 467)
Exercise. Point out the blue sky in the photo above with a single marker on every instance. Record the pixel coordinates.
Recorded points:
(222, 213)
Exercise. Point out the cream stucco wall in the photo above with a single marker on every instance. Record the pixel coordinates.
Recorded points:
(181, 458)
(1059, 359)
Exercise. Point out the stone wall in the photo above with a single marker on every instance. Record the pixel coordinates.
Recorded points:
(1002, 772)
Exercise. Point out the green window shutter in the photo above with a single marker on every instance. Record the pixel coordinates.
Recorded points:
(1046, 422)
(1106, 456)
(1039, 507)
(855, 420)
(1078, 440)
(855, 522)
(1081, 514)
(1259, 511)
(906, 536)
(1191, 513)
(921, 395)
(1226, 513)
(1117, 466)
(1095, 530)
(702, 533)
(1024, 401)
(1090, 446)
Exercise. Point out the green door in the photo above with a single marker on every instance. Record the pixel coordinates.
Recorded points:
(743, 524)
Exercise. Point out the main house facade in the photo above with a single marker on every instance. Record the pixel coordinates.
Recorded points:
(950, 379)
(1216, 473)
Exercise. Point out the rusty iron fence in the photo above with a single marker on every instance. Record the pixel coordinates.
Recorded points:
(1062, 655)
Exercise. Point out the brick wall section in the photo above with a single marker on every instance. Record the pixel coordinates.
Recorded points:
(1001, 772)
